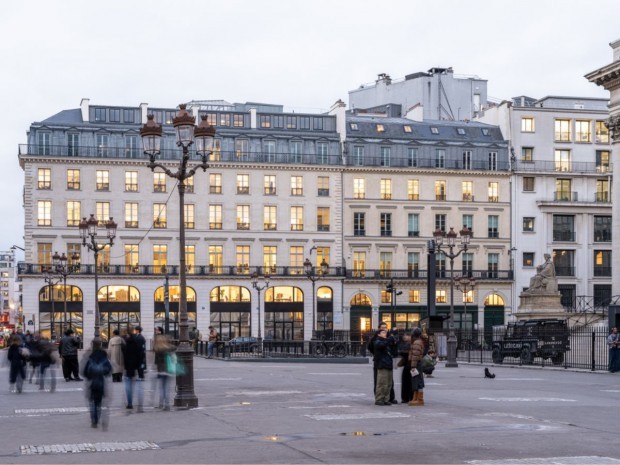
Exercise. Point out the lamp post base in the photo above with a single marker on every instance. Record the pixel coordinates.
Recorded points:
(451, 361)
(185, 397)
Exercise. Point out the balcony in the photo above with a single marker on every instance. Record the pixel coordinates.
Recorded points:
(602, 197)
(385, 233)
(243, 189)
(359, 232)
(270, 226)
(566, 196)
(243, 226)
(370, 274)
(414, 234)
(270, 191)
(215, 225)
(322, 227)
(323, 192)
(467, 197)
(564, 236)
(602, 235)
(131, 224)
(441, 197)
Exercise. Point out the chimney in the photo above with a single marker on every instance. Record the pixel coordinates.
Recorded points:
(144, 110)
(252, 118)
(84, 105)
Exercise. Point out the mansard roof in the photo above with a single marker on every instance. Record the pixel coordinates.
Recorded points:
(70, 117)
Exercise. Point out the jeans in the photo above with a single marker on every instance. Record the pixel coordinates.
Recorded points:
(129, 389)
(210, 348)
(164, 399)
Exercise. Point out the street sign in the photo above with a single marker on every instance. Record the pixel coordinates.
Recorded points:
(30, 323)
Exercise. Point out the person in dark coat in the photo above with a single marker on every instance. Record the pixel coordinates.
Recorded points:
(406, 392)
(383, 363)
(371, 349)
(134, 357)
(416, 354)
(47, 363)
(96, 370)
(17, 364)
(68, 349)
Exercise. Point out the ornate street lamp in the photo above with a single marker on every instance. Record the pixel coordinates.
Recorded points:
(64, 270)
(51, 280)
(450, 243)
(88, 233)
(465, 284)
(259, 288)
(186, 133)
(312, 275)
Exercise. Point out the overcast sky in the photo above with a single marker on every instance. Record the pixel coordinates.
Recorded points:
(304, 55)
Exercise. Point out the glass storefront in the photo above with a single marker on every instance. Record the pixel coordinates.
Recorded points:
(174, 297)
(230, 312)
(284, 313)
(52, 317)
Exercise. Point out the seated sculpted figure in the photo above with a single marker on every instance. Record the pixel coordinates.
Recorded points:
(545, 273)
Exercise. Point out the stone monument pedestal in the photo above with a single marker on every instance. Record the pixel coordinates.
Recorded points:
(540, 304)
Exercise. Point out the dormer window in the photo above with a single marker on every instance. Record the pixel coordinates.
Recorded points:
(485, 132)
(434, 130)
(460, 131)
(380, 128)
(353, 126)
(407, 128)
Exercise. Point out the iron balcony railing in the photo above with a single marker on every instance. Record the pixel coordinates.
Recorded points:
(563, 167)
(564, 236)
(367, 274)
(426, 162)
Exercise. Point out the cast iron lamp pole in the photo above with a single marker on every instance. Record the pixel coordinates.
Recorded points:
(465, 284)
(186, 131)
(311, 274)
(451, 244)
(88, 233)
(259, 288)
(60, 266)
(50, 280)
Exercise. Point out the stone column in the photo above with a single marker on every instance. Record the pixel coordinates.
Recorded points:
(609, 77)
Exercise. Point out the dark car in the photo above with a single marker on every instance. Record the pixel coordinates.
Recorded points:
(243, 344)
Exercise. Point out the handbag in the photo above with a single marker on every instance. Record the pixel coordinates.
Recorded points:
(414, 372)
(173, 366)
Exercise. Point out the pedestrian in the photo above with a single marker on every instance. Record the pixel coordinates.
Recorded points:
(406, 394)
(213, 338)
(371, 349)
(163, 350)
(428, 363)
(96, 370)
(115, 354)
(134, 358)
(32, 344)
(416, 353)
(195, 337)
(17, 364)
(384, 363)
(47, 364)
(68, 350)
(613, 342)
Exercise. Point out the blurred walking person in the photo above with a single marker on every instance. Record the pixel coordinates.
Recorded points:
(17, 364)
(115, 354)
(165, 367)
(68, 349)
(47, 364)
(134, 357)
(96, 370)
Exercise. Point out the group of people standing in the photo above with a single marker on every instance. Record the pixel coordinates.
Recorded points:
(415, 359)
(33, 349)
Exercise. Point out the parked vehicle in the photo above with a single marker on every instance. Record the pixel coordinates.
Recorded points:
(243, 344)
(546, 338)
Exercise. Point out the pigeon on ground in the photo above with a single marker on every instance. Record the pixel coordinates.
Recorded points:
(488, 374)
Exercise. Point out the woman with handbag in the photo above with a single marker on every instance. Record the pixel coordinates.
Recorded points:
(416, 353)
(404, 345)
(164, 349)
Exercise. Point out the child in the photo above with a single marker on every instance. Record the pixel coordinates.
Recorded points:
(428, 363)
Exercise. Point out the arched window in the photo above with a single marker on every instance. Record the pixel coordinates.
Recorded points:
(174, 294)
(74, 293)
(324, 294)
(493, 300)
(229, 294)
(361, 299)
(284, 294)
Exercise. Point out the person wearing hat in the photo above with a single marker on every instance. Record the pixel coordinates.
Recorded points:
(134, 356)
(416, 354)
(68, 350)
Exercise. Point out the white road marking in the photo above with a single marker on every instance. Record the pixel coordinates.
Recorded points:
(38, 411)
(526, 399)
(86, 447)
(588, 460)
(610, 390)
(359, 416)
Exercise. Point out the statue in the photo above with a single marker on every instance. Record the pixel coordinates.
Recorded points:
(544, 280)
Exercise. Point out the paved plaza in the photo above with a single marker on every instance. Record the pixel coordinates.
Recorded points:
(259, 412)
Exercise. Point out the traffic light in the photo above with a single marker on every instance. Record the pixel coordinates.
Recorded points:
(389, 287)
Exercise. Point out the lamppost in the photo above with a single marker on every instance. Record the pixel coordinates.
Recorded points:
(88, 233)
(465, 284)
(259, 288)
(186, 132)
(313, 276)
(393, 293)
(64, 270)
(439, 235)
(51, 280)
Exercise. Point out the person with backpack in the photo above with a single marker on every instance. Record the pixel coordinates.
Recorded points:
(97, 368)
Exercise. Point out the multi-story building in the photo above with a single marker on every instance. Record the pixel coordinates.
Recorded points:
(364, 193)
(10, 295)
(438, 94)
(402, 181)
(562, 190)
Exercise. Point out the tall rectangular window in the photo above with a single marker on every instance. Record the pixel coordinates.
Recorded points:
(132, 146)
(43, 141)
(159, 182)
(385, 156)
(159, 216)
(238, 121)
(190, 259)
(216, 259)
(215, 183)
(492, 166)
(243, 217)
(440, 158)
(583, 131)
(224, 119)
(564, 261)
(189, 216)
(323, 186)
(414, 296)
(493, 265)
(243, 184)
(493, 226)
(493, 192)
(44, 178)
(297, 218)
(269, 147)
(413, 189)
(564, 228)
(270, 214)
(264, 121)
(528, 184)
(563, 190)
(73, 180)
(468, 191)
(602, 229)
(602, 190)
(131, 214)
(527, 124)
(132, 258)
(44, 253)
(269, 184)
(440, 190)
(189, 185)
(359, 264)
(128, 116)
(270, 254)
(440, 222)
(602, 263)
(131, 181)
(413, 224)
(358, 155)
(215, 217)
(242, 258)
(322, 152)
(385, 186)
(563, 130)
(297, 185)
(386, 224)
(602, 133)
(322, 218)
(468, 222)
(160, 258)
(385, 264)
(562, 160)
(602, 161)
(102, 212)
(73, 144)
(103, 260)
(317, 124)
(296, 254)
(527, 154)
(74, 213)
(242, 149)
(291, 122)
(359, 188)
(322, 253)
(467, 160)
(103, 180)
(296, 148)
(467, 263)
(412, 157)
(74, 254)
(102, 142)
(216, 152)
(413, 264)
(359, 224)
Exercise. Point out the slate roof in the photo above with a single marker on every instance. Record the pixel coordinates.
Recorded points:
(69, 117)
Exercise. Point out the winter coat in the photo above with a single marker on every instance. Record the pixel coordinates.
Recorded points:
(134, 352)
(69, 346)
(15, 357)
(96, 377)
(383, 352)
(416, 352)
(115, 353)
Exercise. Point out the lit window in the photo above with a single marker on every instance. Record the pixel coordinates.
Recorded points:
(434, 130)
(159, 182)
(440, 297)
(44, 178)
(359, 188)
(414, 296)
(563, 130)
(380, 128)
(353, 126)
(407, 128)
(460, 131)
(527, 124)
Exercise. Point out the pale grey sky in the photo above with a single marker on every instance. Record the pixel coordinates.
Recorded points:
(303, 55)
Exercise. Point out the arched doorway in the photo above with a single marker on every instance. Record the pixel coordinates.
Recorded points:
(361, 316)
(174, 297)
(52, 318)
(230, 311)
(324, 309)
(493, 311)
(284, 313)
(119, 308)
